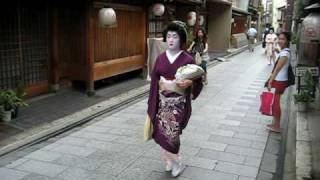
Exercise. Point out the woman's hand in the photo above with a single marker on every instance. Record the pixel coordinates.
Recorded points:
(184, 83)
(269, 85)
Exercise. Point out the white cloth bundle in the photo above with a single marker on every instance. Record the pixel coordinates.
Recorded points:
(189, 71)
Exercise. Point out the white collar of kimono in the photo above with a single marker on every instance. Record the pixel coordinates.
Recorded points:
(172, 57)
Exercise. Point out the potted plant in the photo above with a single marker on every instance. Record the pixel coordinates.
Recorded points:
(9, 100)
(21, 93)
(302, 100)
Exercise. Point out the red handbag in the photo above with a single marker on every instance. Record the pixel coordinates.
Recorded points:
(266, 103)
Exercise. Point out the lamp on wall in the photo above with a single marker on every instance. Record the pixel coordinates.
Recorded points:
(158, 9)
(201, 20)
(191, 18)
(107, 17)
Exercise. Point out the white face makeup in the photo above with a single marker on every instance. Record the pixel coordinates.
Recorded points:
(173, 40)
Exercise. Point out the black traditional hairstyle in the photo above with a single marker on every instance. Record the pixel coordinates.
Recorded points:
(178, 27)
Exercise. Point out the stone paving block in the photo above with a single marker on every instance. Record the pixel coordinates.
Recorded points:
(240, 114)
(230, 141)
(269, 163)
(238, 129)
(237, 169)
(18, 162)
(164, 176)
(223, 133)
(108, 146)
(252, 161)
(221, 156)
(229, 122)
(258, 145)
(246, 178)
(73, 141)
(252, 125)
(99, 176)
(10, 174)
(74, 150)
(253, 137)
(97, 129)
(244, 151)
(111, 156)
(148, 163)
(43, 156)
(74, 174)
(134, 174)
(114, 168)
(273, 146)
(34, 176)
(42, 168)
(188, 150)
(200, 162)
(195, 173)
(79, 162)
(207, 145)
(264, 176)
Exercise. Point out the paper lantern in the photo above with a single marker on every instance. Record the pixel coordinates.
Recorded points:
(201, 20)
(107, 17)
(191, 18)
(158, 9)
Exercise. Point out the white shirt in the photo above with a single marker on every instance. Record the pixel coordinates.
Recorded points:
(171, 57)
(283, 73)
(252, 32)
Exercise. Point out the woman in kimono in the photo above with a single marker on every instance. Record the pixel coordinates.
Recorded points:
(271, 41)
(169, 104)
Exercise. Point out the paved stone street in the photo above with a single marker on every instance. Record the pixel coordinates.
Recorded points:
(225, 138)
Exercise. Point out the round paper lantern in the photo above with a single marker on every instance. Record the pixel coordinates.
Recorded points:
(201, 20)
(191, 18)
(158, 9)
(107, 16)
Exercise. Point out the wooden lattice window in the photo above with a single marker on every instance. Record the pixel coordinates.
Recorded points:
(23, 44)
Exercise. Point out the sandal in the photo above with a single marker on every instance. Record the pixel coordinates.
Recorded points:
(272, 129)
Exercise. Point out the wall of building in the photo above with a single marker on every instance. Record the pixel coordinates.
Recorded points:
(275, 11)
(219, 27)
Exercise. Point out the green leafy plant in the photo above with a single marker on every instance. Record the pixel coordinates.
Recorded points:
(9, 100)
(303, 96)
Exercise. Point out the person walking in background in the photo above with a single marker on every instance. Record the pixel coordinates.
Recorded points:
(251, 34)
(271, 41)
(279, 29)
(265, 33)
(279, 79)
(200, 45)
(169, 103)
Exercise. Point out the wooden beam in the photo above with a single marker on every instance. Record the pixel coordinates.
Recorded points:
(114, 67)
(37, 89)
(55, 48)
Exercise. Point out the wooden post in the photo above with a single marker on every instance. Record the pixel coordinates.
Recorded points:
(55, 51)
(90, 48)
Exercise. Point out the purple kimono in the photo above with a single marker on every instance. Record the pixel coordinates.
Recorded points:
(170, 111)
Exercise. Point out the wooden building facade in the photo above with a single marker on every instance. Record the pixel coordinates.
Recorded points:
(45, 44)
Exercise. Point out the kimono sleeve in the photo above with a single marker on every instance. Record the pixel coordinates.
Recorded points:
(153, 94)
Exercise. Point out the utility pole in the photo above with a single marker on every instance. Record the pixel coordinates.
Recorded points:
(289, 15)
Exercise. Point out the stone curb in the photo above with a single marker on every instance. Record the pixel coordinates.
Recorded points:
(42, 132)
(303, 148)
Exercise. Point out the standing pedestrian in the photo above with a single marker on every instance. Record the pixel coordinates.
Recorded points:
(271, 41)
(200, 45)
(251, 34)
(170, 108)
(279, 79)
